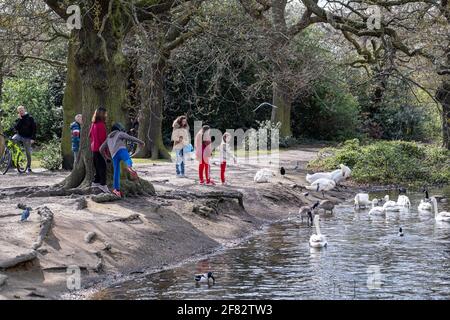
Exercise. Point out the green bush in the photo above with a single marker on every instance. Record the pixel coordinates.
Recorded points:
(51, 155)
(388, 162)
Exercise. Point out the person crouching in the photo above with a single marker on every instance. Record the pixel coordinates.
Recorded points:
(118, 152)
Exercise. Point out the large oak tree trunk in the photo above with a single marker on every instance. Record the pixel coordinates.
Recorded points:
(443, 96)
(2, 140)
(103, 71)
(71, 104)
(151, 114)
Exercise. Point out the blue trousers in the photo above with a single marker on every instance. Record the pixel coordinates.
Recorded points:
(180, 162)
(121, 155)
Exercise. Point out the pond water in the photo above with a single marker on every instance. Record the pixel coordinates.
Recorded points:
(365, 259)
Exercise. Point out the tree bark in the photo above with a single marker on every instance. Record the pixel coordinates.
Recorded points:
(151, 114)
(71, 104)
(443, 96)
(103, 72)
(281, 90)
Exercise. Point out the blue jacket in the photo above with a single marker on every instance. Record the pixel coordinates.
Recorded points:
(75, 128)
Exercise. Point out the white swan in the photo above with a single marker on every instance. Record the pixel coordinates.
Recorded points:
(317, 240)
(390, 205)
(263, 176)
(337, 175)
(403, 201)
(376, 210)
(322, 185)
(425, 205)
(440, 216)
(362, 200)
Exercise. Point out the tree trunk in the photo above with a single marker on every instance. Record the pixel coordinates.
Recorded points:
(443, 96)
(2, 140)
(280, 87)
(151, 114)
(71, 104)
(103, 72)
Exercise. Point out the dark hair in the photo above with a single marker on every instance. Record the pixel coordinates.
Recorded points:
(117, 127)
(180, 121)
(99, 115)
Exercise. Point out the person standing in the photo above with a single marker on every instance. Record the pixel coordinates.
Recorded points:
(181, 139)
(97, 135)
(75, 129)
(25, 127)
(226, 154)
(203, 152)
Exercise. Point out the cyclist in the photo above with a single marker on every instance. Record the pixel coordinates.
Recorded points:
(25, 127)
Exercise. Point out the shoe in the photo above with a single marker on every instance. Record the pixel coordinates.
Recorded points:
(95, 185)
(225, 183)
(117, 193)
(133, 173)
(179, 176)
(202, 183)
(104, 188)
(29, 170)
(211, 183)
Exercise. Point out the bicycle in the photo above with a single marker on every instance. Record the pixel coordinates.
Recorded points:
(13, 156)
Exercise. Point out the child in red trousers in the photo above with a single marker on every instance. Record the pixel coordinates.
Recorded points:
(203, 151)
(226, 154)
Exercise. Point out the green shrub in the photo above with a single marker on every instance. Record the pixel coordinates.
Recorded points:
(51, 155)
(388, 162)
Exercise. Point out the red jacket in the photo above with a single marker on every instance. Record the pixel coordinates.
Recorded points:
(98, 135)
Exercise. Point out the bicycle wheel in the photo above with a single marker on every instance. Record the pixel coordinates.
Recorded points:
(5, 162)
(20, 159)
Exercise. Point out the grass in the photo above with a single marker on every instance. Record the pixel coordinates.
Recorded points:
(388, 162)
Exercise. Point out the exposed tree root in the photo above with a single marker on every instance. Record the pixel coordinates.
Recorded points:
(46, 224)
(182, 194)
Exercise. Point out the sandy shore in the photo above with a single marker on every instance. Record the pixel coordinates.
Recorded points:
(138, 234)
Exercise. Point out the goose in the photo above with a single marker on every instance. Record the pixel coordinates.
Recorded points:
(205, 278)
(322, 185)
(326, 205)
(403, 201)
(307, 212)
(440, 216)
(317, 240)
(400, 232)
(362, 200)
(377, 211)
(390, 205)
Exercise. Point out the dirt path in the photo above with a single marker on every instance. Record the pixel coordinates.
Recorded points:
(136, 234)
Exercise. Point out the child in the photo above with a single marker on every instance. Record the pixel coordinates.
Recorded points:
(115, 143)
(225, 155)
(203, 151)
(180, 138)
(97, 135)
(75, 129)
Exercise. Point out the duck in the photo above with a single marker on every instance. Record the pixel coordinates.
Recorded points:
(377, 210)
(317, 240)
(205, 278)
(403, 201)
(400, 232)
(322, 185)
(440, 216)
(326, 205)
(362, 200)
(390, 205)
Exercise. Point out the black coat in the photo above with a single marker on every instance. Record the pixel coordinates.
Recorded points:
(26, 127)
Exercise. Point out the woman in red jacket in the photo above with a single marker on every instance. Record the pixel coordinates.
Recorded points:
(97, 135)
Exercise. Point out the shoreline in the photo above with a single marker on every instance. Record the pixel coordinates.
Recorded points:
(149, 234)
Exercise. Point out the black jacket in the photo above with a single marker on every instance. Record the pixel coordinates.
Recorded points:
(26, 127)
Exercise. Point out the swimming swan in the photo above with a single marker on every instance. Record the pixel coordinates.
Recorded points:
(317, 240)
(390, 205)
(403, 201)
(377, 211)
(440, 216)
(362, 200)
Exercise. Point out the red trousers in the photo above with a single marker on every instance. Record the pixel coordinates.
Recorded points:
(204, 167)
(223, 168)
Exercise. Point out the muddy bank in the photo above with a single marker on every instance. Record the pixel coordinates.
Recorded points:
(136, 235)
